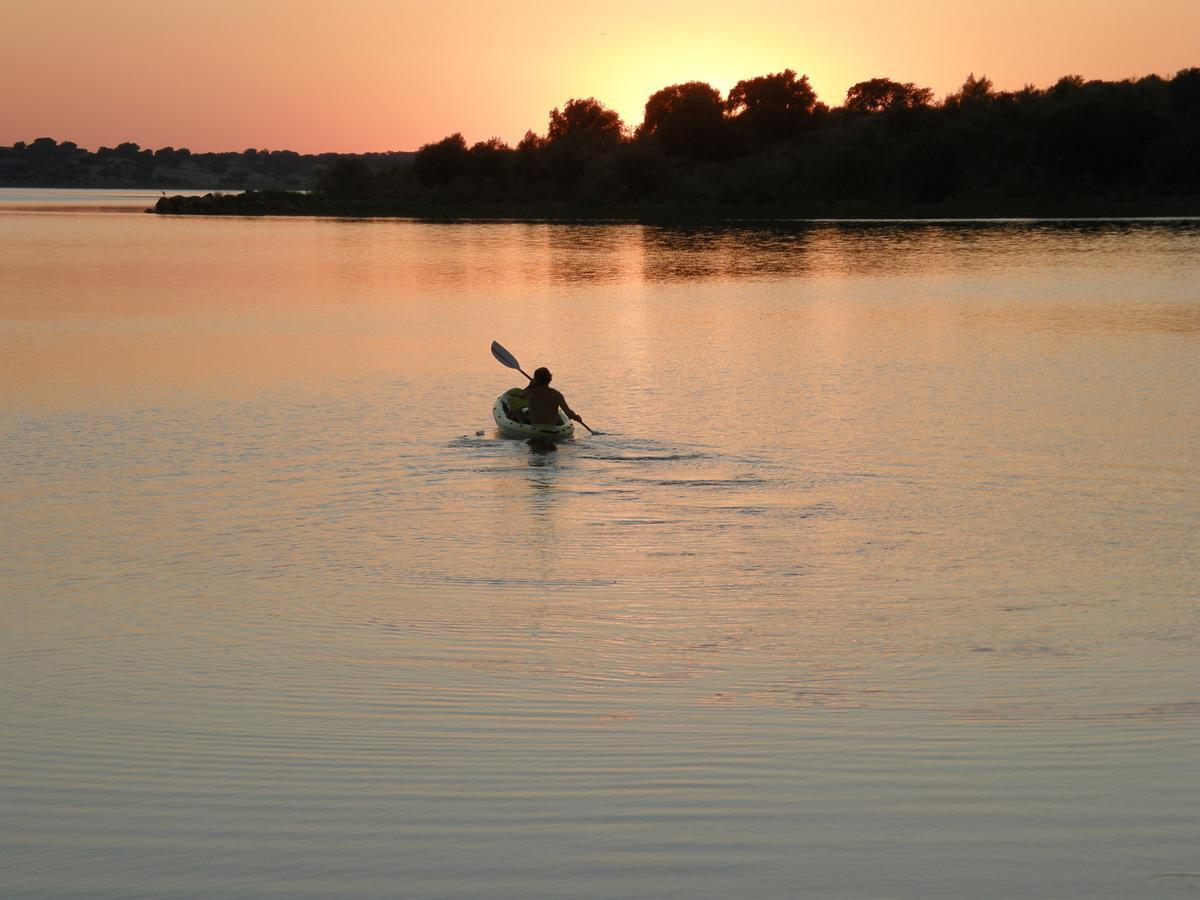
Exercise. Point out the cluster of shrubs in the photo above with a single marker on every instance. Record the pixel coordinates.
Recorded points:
(771, 141)
(247, 203)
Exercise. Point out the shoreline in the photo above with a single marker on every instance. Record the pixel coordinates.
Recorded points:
(289, 203)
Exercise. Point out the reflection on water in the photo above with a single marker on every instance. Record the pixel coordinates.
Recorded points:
(882, 580)
(864, 248)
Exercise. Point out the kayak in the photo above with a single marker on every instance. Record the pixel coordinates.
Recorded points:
(513, 399)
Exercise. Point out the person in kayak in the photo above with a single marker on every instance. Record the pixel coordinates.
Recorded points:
(545, 401)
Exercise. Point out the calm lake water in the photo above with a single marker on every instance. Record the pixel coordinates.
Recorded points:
(881, 582)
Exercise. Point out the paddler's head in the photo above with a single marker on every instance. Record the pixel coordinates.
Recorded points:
(542, 376)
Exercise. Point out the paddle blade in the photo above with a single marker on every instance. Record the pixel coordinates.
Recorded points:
(505, 358)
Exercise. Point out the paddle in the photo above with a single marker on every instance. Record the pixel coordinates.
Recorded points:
(507, 359)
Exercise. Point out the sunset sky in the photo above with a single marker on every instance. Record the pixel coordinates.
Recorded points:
(359, 75)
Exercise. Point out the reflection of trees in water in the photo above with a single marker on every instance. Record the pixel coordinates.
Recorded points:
(494, 256)
(774, 251)
(491, 255)
(585, 253)
(681, 253)
(488, 259)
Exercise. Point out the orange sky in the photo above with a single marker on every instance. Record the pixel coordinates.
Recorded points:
(357, 75)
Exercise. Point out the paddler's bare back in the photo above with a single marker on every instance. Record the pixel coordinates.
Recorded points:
(544, 404)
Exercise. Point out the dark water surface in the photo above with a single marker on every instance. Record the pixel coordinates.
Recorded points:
(882, 582)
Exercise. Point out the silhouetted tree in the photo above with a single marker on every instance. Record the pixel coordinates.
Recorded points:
(44, 146)
(1185, 92)
(974, 93)
(773, 107)
(282, 163)
(687, 120)
(528, 161)
(530, 143)
(578, 141)
(350, 178)
(441, 162)
(1067, 86)
(585, 122)
(882, 94)
(490, 159)
(1098, 134)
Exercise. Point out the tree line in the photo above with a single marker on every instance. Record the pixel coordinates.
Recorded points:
(770, 141)
(45, 162)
